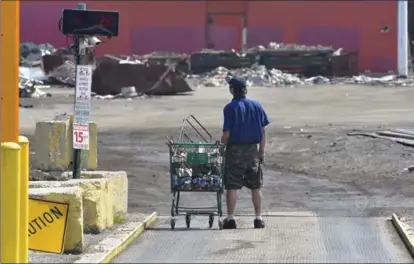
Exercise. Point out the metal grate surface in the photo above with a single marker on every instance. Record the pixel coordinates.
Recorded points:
(285, 239)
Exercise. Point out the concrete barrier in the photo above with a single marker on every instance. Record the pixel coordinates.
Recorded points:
(118, 181)
(74, 242)
(53, 145)
(118, 187)
(97, 199)
(98, 205)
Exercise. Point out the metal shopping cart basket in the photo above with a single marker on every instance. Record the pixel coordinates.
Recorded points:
(196, 167)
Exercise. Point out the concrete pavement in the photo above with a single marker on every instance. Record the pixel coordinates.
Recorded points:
(286, 238)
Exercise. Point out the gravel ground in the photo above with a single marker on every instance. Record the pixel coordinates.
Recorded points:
(311, 164)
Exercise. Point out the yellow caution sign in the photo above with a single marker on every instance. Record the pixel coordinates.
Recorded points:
(47, 225)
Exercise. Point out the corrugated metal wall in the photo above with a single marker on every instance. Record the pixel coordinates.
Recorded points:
(183, 26)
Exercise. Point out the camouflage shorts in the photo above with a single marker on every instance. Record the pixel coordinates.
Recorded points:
(242, 167)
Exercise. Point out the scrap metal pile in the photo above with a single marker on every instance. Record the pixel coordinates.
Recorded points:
(128, 77)
(164, 73)
(112, 74)
(259, 75)
(41, 66)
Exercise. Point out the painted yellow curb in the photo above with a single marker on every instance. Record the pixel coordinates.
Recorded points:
(403, 232)
(148, 222)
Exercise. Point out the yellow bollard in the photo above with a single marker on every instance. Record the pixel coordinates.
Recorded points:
(24, 199)
(10, 202)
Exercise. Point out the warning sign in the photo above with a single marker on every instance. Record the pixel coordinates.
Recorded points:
(47, 225)
(81, 136)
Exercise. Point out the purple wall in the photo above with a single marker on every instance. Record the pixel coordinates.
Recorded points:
(263, 35)
(223, 38)
(347, 38)
(177, 39)
(39, 22)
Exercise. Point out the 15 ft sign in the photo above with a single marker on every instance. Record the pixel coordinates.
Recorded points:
(81, 136)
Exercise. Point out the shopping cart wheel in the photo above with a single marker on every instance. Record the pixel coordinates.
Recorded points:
(210, 220)
(188, 220)
(220, 224)
(172, 223)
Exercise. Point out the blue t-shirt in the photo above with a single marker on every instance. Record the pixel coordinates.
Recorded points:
(244, 118)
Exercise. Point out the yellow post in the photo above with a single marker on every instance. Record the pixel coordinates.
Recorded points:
(1, 94)
(10, 202)
(24, 199)
(10, 44)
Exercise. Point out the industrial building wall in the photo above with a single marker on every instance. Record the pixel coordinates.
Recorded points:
(354, 25)
(39, 21)
(144, 26)
(183, 26)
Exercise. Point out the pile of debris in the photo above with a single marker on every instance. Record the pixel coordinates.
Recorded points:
(293, 46)
(387, 80)
(161, 73)
(31, 54)
(31, 74)
(258, 75)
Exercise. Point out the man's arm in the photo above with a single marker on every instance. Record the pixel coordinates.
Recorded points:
(264, 123)
(263, 142)
(228, 124)
(225, 137)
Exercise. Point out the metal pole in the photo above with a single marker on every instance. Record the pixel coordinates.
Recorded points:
(402, 38)
(10, 15)
(244, 40)
(10, 152)
(1, 63)
(77, 154)
(1, 93)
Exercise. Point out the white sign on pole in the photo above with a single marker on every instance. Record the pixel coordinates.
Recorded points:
(82, 107)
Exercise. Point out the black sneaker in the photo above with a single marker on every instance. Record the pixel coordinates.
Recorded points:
(259, 223)
(229, 224)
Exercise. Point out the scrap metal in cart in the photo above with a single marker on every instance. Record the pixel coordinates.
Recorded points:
(196, 165)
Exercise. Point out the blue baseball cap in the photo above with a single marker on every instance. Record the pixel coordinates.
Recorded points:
(237, 83)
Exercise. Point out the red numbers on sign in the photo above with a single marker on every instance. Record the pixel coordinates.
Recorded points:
(78, 19)
(79, 137)
(105, 21)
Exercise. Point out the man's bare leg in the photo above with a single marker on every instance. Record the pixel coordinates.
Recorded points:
(231, 200)
(257, 202)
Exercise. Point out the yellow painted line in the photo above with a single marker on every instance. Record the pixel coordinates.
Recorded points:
(148, 222)
(404, 233)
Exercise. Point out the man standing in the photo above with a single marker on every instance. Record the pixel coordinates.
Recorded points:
(244, 136)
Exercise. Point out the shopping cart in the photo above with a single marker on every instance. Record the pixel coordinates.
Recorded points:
(196, 167)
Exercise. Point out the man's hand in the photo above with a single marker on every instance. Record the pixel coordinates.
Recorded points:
(261, 157)
(225, 137)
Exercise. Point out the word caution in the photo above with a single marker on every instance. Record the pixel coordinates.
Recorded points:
(44, 220)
